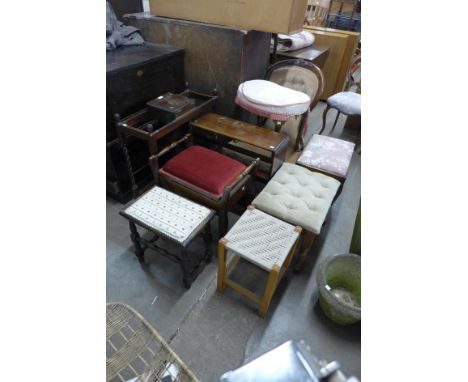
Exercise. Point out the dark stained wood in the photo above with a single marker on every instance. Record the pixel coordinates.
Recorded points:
(217, 56)
(317, 54)
(239, 187)
(157, 127)
(242, 131)
(122, 7)
(184, 259)
(299, 144)
(134, 75)
(221, 127)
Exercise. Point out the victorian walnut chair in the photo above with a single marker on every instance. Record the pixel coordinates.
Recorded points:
(301, 85)
(328, 155)
(347, 102)
(205, 176)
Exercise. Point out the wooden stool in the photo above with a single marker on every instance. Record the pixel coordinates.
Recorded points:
(264, 241)
(301, 197)
(171, 217)
(327, 155)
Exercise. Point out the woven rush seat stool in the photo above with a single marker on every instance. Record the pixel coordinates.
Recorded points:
(169, 216)
(300, 197)
(264, 241)
(330, 156)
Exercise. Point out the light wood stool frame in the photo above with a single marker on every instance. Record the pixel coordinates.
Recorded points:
(274, 277)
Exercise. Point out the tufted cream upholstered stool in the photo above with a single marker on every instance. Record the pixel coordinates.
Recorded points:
(299, 197)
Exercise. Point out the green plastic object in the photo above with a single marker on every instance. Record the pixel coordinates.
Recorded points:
(339, 283)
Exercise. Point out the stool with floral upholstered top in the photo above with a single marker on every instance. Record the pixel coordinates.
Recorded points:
(327, 155)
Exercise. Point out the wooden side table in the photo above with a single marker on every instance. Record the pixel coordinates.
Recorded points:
(158, 125)
(264, 241)
(317, 54)
(227, 132)
(171, 217)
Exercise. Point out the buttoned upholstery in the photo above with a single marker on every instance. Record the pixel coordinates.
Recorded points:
(298, 196)
(297, 78)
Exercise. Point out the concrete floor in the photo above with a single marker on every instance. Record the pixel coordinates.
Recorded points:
(215, 332)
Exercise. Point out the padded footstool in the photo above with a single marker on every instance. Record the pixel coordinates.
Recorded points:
(264, 241)
(299, 197)
(327, 155)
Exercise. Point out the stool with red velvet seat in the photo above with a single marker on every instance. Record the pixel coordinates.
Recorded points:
(205, 176)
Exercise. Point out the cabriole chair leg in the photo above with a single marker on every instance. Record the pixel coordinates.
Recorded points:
(334, 124)
(324, 119)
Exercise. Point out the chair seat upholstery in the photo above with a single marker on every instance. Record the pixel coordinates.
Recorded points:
(348, 103)
(270, 100)
(298, 196)
(327, 154)
(203, 170)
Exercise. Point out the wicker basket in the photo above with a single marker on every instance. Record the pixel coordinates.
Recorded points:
(136, 352)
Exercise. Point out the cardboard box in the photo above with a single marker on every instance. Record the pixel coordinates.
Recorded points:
(275, 16)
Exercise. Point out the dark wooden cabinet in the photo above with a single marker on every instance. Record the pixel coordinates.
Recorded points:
(122, 7)
(135, 75)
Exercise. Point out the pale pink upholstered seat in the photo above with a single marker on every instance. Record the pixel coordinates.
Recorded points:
(327, 154)
(270, 100)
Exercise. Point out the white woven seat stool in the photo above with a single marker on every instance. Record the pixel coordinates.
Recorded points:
(264, 241)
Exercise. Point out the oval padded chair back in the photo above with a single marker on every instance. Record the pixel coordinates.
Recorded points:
(300, 75)
(297, 78)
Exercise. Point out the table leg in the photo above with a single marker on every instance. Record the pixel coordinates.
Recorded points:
(136, 240)
(184, 263)
(221, 264)
(273, 280)
(288, 261)
(306, 244)
(207, 238)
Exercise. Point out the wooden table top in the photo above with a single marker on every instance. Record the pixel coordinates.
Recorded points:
(310, 53)
(242, 131)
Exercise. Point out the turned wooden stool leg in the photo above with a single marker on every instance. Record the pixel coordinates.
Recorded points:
(307, 241)
(184, 264)
(207, 238)
(273, 280)
(223, 223)
(136, 240)
(221, 264)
